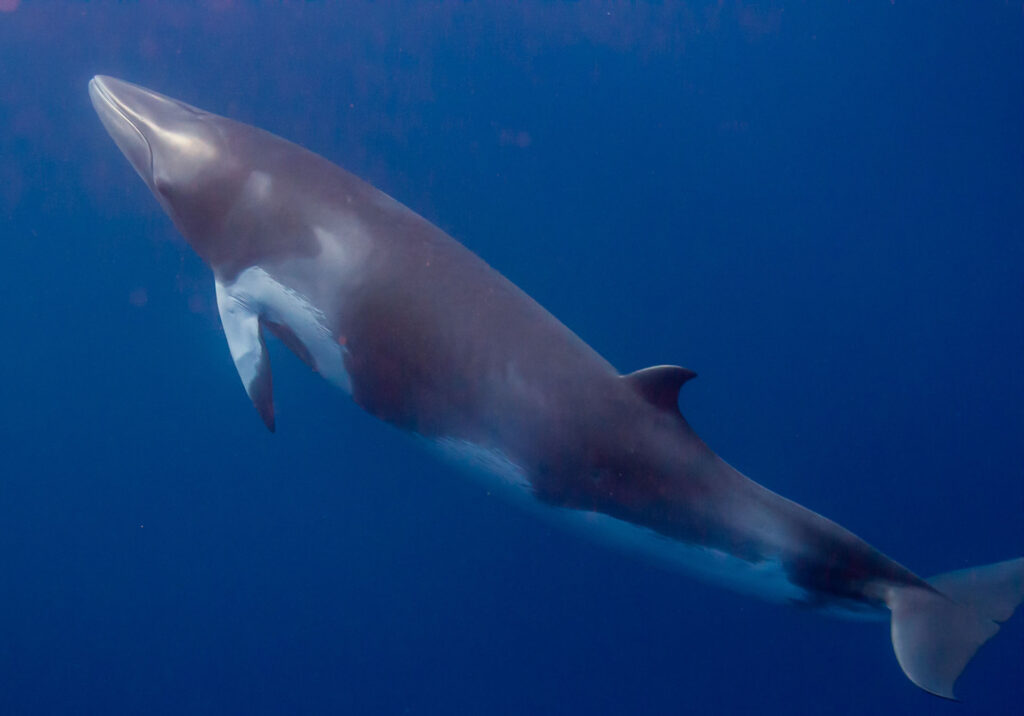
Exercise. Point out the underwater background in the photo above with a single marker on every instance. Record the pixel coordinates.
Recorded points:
(819, 207)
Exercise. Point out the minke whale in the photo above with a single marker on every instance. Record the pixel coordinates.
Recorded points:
(427, 337)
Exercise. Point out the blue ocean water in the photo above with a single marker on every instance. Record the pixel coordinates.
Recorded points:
(817, 206)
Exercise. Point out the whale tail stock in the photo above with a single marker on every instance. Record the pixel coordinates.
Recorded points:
(936, 632)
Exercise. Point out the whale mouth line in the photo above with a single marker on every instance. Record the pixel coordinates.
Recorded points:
(100, 91)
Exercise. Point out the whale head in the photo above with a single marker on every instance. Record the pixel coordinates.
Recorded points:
(223, 183)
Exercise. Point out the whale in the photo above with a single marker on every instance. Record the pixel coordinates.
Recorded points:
(427, 337)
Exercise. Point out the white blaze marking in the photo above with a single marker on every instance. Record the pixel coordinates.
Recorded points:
(257, 186)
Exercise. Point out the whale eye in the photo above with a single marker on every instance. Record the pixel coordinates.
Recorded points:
(163, 186)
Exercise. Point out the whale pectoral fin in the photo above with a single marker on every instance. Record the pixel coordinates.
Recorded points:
(659, 385)
(244, 331)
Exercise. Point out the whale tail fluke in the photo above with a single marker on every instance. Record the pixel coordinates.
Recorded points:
(936, 632)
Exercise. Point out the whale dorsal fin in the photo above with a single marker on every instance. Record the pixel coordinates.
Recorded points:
(659, 385)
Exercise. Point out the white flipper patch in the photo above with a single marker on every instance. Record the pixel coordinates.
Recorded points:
(241, 323)
(256, 294)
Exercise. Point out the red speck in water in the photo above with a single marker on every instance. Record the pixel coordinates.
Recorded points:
(148, 47)
(9, 5)
(342, 340)
(138, 297)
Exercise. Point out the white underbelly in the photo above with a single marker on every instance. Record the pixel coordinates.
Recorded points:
(500, 474)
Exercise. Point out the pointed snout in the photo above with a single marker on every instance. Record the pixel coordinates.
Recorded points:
(124, 110)
(141, 122)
